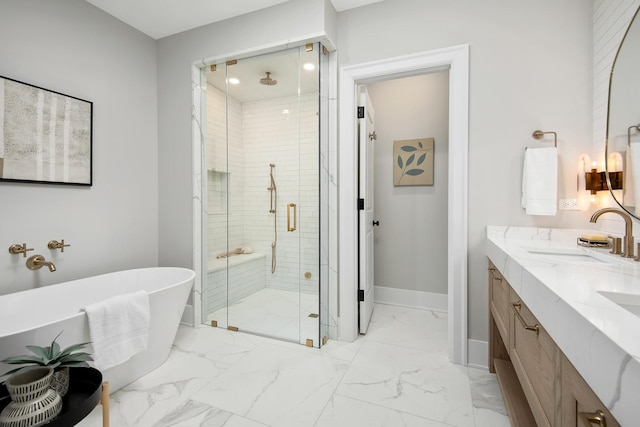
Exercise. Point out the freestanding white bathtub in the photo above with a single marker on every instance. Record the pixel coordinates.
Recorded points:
(36, 316)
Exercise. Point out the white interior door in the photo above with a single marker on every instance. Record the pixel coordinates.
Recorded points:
(366, 137)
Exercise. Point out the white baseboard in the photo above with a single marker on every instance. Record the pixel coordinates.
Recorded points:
(413, 299)
(478, 354)
(187, 316)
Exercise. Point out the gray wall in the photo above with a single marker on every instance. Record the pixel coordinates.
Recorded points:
(72, 47)
(530, 68)
(411, 241)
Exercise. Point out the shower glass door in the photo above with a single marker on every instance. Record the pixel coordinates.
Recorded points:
(264, 195)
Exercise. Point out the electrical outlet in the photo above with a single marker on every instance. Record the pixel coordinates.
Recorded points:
(568, 205)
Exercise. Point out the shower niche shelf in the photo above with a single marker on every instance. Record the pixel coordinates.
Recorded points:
(217, 184)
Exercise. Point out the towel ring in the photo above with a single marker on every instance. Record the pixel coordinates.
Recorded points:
(538, 134)
(636, 127)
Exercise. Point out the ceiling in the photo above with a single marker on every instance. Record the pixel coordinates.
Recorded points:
(163, 18)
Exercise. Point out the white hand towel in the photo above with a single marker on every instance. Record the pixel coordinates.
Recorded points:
(540, 181)
(119, 328)
(631, 172)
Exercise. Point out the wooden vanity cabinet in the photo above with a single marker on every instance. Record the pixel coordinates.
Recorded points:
(580, 406)
(499, 316)
(539, 385)
(533, 355)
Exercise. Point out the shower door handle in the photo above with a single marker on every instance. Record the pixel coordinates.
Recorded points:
(295, 214)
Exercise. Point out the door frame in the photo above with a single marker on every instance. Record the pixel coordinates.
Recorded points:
(456, 58)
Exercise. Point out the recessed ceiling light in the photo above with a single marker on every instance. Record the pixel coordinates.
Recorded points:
(309, 66)
(234, 81)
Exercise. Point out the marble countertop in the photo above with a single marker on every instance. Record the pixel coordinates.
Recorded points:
(600, 338)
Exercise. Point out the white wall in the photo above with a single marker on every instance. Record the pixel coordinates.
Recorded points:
(530, 69)
(411, 241)
(72, 47)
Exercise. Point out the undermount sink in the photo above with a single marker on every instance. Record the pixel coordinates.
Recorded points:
(565, 253)
(630, 302)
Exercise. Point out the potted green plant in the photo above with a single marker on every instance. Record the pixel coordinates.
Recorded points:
(59, 359)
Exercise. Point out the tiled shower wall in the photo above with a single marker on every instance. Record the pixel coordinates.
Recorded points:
(282, 131)
(610, 21)
(219, 175)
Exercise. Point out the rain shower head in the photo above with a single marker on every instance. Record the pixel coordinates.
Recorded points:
(268, 81)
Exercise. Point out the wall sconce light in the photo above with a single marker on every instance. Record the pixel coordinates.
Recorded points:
(597, 181)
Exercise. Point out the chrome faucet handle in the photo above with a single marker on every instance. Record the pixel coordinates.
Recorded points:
(54, 244)
(17, 249)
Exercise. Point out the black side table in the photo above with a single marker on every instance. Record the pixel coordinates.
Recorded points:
(86, 390)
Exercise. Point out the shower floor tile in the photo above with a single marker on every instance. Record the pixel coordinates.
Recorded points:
(274, 313)
(396, 375)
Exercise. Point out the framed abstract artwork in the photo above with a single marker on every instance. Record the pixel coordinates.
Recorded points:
(413, 162)
(45, 136)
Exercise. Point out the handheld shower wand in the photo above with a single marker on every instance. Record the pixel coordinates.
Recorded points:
(273, 190)
(272, 209)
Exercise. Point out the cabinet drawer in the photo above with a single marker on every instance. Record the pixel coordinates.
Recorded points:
(580, 406)
(533, 354)
(499, 301)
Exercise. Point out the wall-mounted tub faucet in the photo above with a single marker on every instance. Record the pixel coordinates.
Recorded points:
(17, 249)
(36, 262)
(54, 244)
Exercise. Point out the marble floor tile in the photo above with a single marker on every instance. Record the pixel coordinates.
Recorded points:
(217, 344)
(396, 375)
(192, 413)
(342, 350)
(148, 399)
(485, 391)
(274, 313)
(408, 327)
(342, 411)
(488, 418)
(421, 383)
(275, 385)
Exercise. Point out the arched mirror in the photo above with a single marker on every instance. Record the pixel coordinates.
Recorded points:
(623, 120)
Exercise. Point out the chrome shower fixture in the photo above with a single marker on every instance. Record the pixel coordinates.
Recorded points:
(268, 81)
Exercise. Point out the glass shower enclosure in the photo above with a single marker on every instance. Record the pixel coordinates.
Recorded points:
(264, 220)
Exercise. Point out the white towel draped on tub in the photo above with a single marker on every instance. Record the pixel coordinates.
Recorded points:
(540, 181)
(119, 328)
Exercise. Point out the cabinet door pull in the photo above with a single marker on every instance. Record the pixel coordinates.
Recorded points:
(595, 418)
(516, 306)
(495, 274)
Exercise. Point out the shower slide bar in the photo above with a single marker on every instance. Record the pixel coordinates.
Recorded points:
(273, 201)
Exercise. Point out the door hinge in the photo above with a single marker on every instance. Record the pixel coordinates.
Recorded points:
(361, 112)
(361, 204)
(360, 294)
